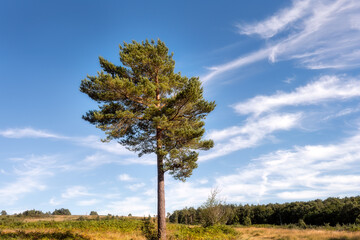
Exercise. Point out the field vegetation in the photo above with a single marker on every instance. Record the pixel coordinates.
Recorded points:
(136, 228)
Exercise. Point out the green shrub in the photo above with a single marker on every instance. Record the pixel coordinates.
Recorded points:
(43, 235)
(93, 213)
(149, 229)
(213, 211)
(61, 211)
(247, 221)
(302, 223)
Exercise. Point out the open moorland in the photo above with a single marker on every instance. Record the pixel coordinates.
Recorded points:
(112, 227)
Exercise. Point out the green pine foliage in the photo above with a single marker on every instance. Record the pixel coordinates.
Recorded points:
(149, 108)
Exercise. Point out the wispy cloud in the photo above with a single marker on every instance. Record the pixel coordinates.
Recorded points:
(317, 34)
(75, 192)
(101, 158)
(265, 118)
(304, 172)
(134, 205)
(28, 133)
(29, 174)
(96, 143)
(135, 186)
(326, 88)
(55, 202)
(250, 134)
(278, 22)
(343, 112)
(237, 63)
(125, 177)
(185, 194)
(90, 202)
(105, 154)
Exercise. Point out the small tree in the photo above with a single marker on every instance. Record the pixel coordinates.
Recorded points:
(247, 221)
(150, 109)
(3, 213)
(61, 211)
(93, 213)
(213, 211)
(33, 213)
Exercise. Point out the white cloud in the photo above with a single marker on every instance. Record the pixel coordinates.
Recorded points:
(343, 112)
(96, 143)
(134, 205)
(30, 174)
(11, 192)
(278, 22)
(250, 134)
(237, 63)
(54, 202)
(125, 177)
(136, 186)
(75, 192)
(305, 172)
(90, 202)
(100, 158)
(326, 88)
(322, 34)
(28, 133)
(185, 194)
(203, 181)
(289, 80)
(149, 159)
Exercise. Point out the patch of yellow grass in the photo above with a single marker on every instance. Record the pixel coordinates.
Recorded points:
(295, 234)
(93, 235)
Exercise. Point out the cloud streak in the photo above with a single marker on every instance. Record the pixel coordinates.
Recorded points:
(304, 172)
(278, 22)
(325, 89)
(28, 133)
(29, 175)
(250, 134)
(317, 34)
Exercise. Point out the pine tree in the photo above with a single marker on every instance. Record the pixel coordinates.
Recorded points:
(148, 108)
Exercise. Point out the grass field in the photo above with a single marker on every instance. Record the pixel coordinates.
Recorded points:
(101, 228)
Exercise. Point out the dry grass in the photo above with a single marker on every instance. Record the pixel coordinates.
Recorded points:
(253, 233)
(295, 234)
(93, 235)
(60, 218)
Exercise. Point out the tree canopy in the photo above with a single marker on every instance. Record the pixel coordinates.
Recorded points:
(149, 108)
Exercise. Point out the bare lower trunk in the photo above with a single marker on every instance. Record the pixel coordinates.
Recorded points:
(160, 169)
(161, 201)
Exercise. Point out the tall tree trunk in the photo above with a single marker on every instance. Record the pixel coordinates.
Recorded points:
(160, 168)
(161, 199)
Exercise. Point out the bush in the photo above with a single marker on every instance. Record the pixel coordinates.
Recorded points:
(302, 223)
(61, 211)
(247, 221)
(149, 229)
(213, 211)
(33, 213)
(93, 213)
(40, 235)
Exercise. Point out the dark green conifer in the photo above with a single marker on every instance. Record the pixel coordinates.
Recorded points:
(148, 108)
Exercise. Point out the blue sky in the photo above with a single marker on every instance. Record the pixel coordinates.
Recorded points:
(284, 75)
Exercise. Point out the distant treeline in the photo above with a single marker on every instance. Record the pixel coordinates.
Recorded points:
(39, 213)
(331, 211)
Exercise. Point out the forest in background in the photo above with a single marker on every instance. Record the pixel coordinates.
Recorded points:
(331, 211)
